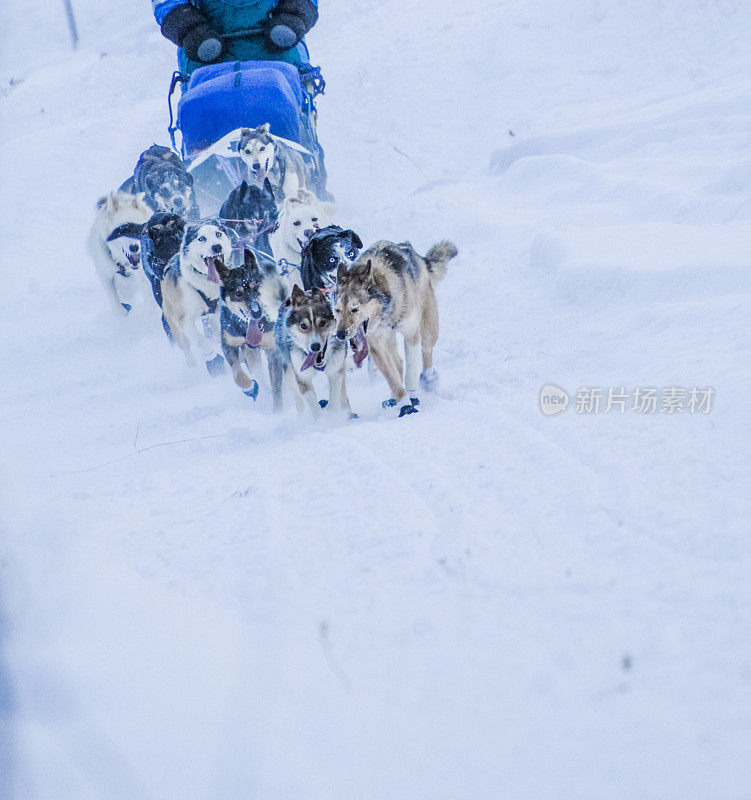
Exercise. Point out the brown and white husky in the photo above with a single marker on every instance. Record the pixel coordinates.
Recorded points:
(390, 290)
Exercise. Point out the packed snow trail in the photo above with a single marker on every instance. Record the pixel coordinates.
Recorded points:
(201, 600)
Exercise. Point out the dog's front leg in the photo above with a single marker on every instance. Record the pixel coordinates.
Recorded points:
(128, 289)
(295, 388)
(338, 400)
(184, 343)
(276, 373)
(242, 380)
(389, 364)
(118, 309)
(204, 334)
(309, 397)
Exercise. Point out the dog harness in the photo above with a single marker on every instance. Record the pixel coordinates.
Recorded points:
(285, 267)
(210, 304)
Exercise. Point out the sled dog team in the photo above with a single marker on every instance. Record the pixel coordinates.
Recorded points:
(271, 275)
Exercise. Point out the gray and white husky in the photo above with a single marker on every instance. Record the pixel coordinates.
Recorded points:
(269, 158)
(115, 247)
(305, 334)
(190, 291)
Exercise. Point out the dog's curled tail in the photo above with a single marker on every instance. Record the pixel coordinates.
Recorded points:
(437, 259)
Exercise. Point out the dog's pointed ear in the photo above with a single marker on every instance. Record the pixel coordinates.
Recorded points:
(356, 240)
(263, 129)
(251, 262)
(267, 187)
(341, 273)
(298, 295)
(364, 270)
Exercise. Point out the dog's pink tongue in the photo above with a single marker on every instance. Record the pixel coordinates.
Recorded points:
(359, 347)
(213, 275)
(254, 335)
(310, 359)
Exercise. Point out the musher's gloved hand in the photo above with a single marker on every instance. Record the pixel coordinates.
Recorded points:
(188, 28)
(289, 22)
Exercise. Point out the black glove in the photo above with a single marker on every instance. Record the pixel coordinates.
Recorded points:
(188, 28)
(289, 22)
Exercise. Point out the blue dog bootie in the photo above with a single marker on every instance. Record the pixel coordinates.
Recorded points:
(409, 408)
(252, 390)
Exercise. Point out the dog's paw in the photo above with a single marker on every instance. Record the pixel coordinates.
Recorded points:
(127, 308)
(252, 390)
(429, 379)
(390, 403)
(352, 415)
(415, 401)
(215, 366)
(408, 408)
(323, 403)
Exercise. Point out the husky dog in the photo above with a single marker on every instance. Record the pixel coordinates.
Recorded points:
(390, 288)
(115, 247)
(167, 185)
(322, 254)
(305, 335)
(190, 291)
(160, 241)
(250, 300)
(252, 214)
(300, 217)
(268, 157)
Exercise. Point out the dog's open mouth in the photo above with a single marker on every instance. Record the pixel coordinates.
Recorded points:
(215, 265)
(359, 344)
(315, 359)
(134, 259)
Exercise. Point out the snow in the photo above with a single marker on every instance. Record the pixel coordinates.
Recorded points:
(202, 600)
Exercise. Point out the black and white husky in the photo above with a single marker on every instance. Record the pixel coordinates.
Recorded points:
(305, 335)
(322, 254)
(250, 301)
(115, 247)
(166, 184)
(191, 288)
(252, 214)
(268, 157)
